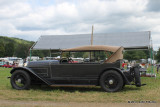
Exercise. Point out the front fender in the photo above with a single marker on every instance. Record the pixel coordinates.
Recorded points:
(32, 72)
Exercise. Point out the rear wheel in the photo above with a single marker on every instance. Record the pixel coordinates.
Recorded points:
(20, 80)
(111, 81)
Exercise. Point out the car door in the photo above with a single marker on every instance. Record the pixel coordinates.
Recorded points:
(75, 71)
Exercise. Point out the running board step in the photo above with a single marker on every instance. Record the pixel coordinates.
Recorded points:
(70, 85)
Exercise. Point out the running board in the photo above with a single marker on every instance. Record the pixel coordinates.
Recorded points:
(70, 85)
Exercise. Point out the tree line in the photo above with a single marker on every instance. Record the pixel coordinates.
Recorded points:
(15, 47)
(10, 50)
(21, 51)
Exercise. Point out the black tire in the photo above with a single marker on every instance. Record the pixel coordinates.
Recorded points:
(111, 81)
(137, 77)
(20, 80)
(123, 85)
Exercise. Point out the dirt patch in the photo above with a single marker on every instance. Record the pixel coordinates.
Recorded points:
(9, 103)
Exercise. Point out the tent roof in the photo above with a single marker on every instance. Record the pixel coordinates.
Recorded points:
(129, 40)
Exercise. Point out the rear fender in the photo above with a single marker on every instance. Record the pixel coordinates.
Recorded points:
(32, 72)
(119, 71)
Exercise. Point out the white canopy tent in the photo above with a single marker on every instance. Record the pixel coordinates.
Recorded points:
(129, 40)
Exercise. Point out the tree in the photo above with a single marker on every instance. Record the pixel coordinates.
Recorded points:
(37, 53)
(9, 49)
(136, 55)
(101, 55)
(22, 51)
(78, 54)
(2, 49)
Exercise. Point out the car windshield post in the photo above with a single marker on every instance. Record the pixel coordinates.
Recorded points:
(69, 54)
(94, 55)
(61, 55)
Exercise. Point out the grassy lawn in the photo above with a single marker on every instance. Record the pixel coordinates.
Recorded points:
(150, 92)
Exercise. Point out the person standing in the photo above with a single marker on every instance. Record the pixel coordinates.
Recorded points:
(158, 65)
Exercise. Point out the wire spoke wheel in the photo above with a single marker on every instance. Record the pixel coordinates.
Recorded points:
(111, 81)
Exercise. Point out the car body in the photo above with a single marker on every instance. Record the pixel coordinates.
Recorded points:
(107, 74)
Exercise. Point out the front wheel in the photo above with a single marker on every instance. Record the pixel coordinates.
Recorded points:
(20, 80)
(111, 81)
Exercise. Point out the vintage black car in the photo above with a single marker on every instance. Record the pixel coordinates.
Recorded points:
(108, 74)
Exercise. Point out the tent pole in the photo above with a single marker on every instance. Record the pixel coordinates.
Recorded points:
(69, 53)
(50, 53)
(91, 43)
(151, 62)
(151, 54)
(30, 54)
(92, 36)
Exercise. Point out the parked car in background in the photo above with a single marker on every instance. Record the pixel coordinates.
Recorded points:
(8, 65)
(32, 58)
(2, 63)
(107, 73)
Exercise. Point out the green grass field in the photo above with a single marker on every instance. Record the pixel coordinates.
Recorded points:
(150, 92)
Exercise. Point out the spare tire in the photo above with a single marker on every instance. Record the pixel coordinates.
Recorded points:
(137, 77)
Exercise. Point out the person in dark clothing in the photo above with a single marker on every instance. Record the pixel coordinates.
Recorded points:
(158, 68)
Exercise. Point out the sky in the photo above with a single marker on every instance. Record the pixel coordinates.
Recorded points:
(29, 19)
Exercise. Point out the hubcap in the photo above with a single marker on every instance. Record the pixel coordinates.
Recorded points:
(110, 82)
(20, 81)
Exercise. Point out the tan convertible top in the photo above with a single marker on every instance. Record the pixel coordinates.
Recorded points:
(117, 51)
(94, 47)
